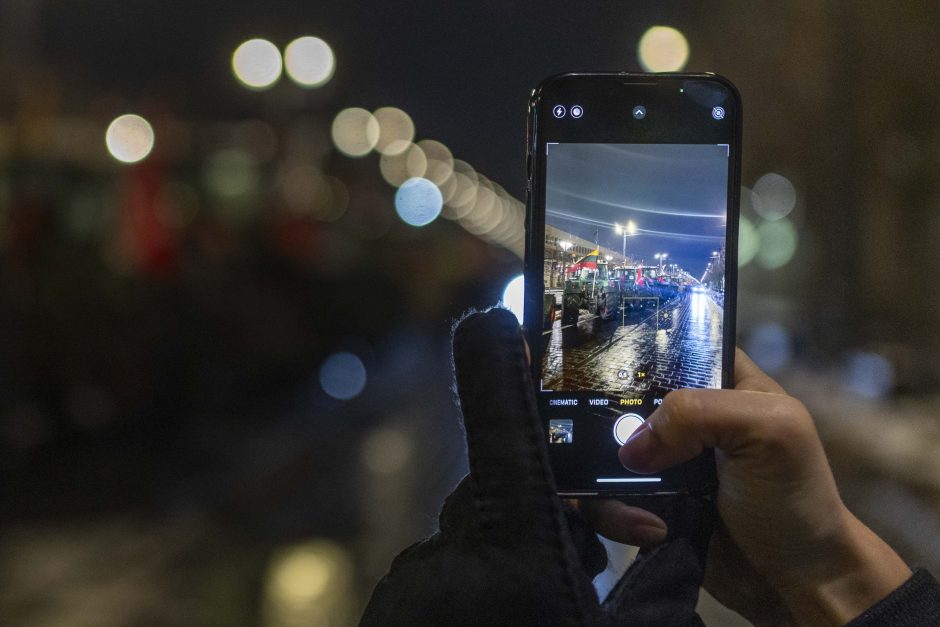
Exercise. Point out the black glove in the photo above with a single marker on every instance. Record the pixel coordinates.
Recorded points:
(509, 551)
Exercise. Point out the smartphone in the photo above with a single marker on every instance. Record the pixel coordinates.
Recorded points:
(630, 264)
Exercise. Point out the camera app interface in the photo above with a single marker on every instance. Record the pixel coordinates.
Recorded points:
(633, 275)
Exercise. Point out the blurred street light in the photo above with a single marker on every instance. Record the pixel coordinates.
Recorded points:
(343, 376)
(403, 165)
(129, 138)
(309, 61)
(309, 584)
(663, 49)
(779, 241)
(749, 241)
(396, 131)
(355, 132)
(257, 64)
(773, 196)
(418, 201)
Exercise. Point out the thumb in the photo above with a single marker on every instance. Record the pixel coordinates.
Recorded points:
(749, 376)
(689, 421)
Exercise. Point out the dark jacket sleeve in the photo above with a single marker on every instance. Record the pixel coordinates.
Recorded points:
(915, 603)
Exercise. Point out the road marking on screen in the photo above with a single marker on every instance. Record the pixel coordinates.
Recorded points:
(629, 479)
(568, 326)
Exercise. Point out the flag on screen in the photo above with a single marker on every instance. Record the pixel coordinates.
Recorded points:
(589, 261)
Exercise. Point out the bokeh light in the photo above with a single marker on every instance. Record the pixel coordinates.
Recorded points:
(501, 218)
(396, 131)
(257, 64)
(513, 236)
(386, 451)
(339, 199)
(355, 132)
(770, 346)
(309, 61)
(418, 201)
(303, 189)
(303, 573)
(440, 161)
(773, 196)
(493, 217)
(481, 212)
(129, 138)
(232, 173)
(514, 296)
(398, 168)
(233, 179)
(748, 242)
(343, 376)
(868, 375)
(308, 192)
(778, 240)
(460, 202)
(663, 49)
(309, 584)
(448, 187)
(488, 211)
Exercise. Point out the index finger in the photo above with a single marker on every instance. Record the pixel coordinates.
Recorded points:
(514, 491)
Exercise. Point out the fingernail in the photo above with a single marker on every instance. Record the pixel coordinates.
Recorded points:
(636, 453)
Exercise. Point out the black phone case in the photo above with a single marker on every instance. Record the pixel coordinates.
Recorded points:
(705, 480)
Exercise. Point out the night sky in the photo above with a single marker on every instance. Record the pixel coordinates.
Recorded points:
(463, 74)
(674, 193)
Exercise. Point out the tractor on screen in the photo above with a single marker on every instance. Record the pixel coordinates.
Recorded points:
(590, 285)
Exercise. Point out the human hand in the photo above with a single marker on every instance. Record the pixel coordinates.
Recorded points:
(787, 548)
(509, 551)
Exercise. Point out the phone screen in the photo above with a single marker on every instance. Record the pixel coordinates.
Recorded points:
(632, 199)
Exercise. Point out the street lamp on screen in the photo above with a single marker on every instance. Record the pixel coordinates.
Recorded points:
(565, 246)
(628, 229)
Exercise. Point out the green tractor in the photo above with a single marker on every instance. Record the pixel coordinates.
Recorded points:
(590, 286)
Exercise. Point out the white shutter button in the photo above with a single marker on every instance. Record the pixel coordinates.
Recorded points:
(625, 426)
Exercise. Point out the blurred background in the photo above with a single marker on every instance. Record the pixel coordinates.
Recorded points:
(234, 237)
